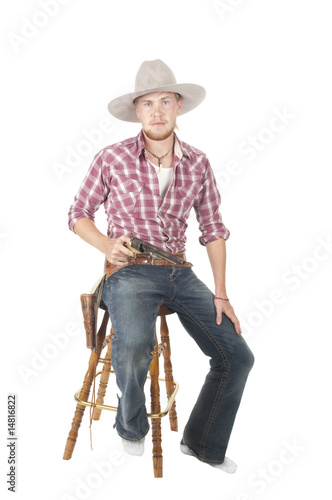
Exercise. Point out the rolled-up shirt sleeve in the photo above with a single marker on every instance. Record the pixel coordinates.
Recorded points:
(208, 210)
(91, 194)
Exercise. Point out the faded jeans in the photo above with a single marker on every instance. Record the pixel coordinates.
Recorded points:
(133, 295)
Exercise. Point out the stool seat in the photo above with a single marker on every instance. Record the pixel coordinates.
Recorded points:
(82, 395)
(164, 311)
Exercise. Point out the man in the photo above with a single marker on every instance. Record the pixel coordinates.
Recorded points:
(148, 185)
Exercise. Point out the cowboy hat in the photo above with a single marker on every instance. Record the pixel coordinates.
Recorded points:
(155, 76)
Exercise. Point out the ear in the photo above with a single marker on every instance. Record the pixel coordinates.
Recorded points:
(136, 108)
(179, 103)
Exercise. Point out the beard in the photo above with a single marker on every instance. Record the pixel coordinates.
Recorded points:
(159, 136)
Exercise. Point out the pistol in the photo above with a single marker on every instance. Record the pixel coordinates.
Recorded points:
(140, 246)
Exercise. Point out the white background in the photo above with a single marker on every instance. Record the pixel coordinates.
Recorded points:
(254, 58)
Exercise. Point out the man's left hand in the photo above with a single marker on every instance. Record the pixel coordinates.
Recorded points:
(223, 306)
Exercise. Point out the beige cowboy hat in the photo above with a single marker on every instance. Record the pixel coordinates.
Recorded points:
(155, 76)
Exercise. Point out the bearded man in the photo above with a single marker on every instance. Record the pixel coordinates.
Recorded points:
(148, 185)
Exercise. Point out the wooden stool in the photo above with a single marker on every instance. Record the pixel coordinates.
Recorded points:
(82, 395)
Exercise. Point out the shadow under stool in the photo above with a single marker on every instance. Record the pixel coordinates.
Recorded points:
(103, 345)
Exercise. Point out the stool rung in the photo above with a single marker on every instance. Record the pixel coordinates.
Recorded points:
(114, 408)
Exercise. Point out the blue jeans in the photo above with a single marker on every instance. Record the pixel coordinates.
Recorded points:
(133, 295)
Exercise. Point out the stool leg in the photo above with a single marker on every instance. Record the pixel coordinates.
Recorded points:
(155, 408)
(104, 378)
(164, 334)
(85, 391)
(78, 416)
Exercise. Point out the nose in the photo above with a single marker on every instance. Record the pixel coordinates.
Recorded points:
(157, 110)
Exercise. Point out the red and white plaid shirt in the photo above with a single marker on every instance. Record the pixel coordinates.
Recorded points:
(121, 177)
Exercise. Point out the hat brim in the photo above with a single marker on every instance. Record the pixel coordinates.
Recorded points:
(123, 107)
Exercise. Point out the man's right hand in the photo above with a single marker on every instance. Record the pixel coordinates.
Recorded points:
(115, 251)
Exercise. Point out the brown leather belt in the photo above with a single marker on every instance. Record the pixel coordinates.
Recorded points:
(146, 260)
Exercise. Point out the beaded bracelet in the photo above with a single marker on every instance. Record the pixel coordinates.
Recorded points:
(220, 298)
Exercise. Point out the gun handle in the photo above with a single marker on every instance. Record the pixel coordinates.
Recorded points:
(135, 252)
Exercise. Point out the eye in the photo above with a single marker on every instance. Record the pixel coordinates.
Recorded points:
(166, 102)
(147, 104)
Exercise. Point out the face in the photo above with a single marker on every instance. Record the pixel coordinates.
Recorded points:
(157, 112)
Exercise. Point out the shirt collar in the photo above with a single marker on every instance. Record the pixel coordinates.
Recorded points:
(179, 148)
(140, 144)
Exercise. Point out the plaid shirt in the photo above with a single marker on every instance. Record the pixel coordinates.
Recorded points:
(121, 177)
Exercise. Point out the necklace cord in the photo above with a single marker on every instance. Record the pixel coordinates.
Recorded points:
(159, 158)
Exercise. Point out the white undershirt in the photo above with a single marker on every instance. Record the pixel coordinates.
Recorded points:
(165, 176)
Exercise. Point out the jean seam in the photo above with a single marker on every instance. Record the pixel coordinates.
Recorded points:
(202, 459)
(222, 382)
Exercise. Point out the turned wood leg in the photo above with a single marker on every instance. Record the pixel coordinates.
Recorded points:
(164, 334)
(85, 391)
(155, 408)
(104, 378)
